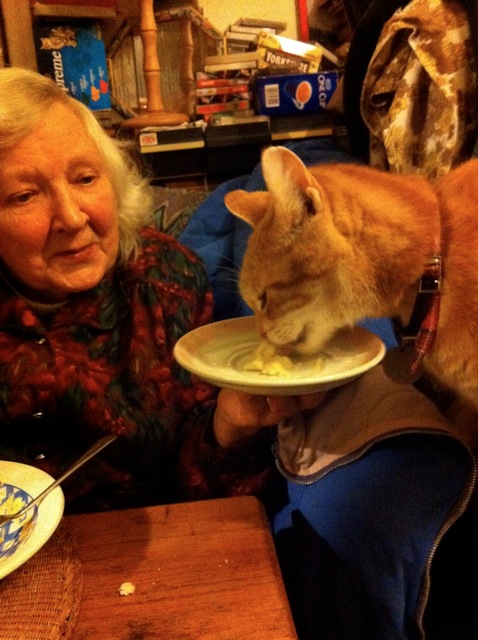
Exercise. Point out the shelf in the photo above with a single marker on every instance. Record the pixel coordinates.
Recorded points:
(224, 151)
(17, 18)
(77, 11)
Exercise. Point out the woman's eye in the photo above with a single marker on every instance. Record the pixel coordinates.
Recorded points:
(87, 178)
(21, 198)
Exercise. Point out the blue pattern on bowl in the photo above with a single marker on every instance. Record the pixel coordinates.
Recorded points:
(15, 532)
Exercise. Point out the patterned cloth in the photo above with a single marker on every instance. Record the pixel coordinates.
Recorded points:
(173, 208)
(419, 94)
(102, 363)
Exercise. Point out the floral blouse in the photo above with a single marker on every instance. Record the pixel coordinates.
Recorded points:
(102, 363)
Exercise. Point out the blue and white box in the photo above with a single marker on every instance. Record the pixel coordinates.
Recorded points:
(296, 93)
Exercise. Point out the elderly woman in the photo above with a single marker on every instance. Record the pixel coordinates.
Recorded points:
(92, 301)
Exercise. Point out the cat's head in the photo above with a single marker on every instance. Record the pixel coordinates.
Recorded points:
(292, 275)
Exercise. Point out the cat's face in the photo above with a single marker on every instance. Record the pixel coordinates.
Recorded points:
(331, 245)
(291, 275)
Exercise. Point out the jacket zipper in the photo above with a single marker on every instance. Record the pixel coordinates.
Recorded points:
(459, 509)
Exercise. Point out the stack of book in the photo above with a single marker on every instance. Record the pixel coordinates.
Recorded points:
(225, 86)
(242, 35)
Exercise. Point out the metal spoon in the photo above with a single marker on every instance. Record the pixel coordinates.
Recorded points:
(92, 451)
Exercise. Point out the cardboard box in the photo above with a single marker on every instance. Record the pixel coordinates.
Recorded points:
(296, 93)
(298, 57)
(74, 56)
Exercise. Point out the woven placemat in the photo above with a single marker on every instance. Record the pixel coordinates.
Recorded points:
(40, 600)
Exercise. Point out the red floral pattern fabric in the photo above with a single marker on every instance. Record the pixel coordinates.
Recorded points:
(103, 363)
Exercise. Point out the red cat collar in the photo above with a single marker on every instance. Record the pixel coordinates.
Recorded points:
(405, 363)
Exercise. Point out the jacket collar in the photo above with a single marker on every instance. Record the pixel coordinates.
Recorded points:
(101, 308)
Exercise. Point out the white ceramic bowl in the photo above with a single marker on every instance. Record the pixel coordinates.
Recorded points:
(21, 539)
(16, 532)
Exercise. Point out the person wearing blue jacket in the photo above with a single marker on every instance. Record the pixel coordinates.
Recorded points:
(372, 496)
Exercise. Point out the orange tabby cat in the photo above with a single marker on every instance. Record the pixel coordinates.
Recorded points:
(334, 244)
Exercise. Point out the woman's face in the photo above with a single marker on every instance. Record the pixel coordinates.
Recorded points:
(58, 216)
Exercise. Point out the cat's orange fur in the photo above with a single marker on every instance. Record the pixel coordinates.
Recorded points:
(334, 244)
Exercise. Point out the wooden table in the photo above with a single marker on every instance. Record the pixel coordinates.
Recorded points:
(201, 570)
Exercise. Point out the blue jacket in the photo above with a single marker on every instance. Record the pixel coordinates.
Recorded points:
(382, 546)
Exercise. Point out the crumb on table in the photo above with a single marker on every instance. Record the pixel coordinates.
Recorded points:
(126, 589)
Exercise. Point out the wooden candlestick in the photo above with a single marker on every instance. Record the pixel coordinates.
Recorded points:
(155, 115)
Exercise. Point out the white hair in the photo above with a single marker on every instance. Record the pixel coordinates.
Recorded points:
(25, 96)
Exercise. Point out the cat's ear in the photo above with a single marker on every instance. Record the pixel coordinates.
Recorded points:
(249, 206)
(291, 183)
(283, 169)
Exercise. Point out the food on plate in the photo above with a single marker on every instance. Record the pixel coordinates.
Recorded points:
(268, 361)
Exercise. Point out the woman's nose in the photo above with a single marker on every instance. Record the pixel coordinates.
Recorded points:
(66, 210)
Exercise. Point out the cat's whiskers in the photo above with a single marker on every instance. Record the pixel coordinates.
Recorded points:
(232, 274)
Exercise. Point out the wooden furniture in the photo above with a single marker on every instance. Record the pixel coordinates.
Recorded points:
(182, 35)
(155, 115)
(201, 571)
(183, 27)
(221, 152)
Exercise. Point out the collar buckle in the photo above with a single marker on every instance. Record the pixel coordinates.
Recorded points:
(404, 363)
(430, 282)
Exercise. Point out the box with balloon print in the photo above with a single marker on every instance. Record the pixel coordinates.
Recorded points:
(296, 93)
